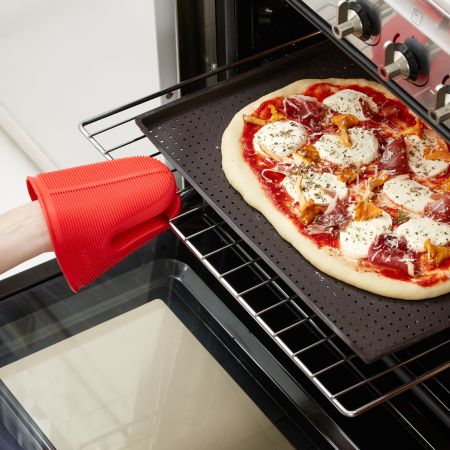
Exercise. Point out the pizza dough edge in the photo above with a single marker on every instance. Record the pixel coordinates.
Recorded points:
(242, 178)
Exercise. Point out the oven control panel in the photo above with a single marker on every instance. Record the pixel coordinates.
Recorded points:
(408, 41)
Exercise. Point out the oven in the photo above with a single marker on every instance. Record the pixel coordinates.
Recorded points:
(364, 372)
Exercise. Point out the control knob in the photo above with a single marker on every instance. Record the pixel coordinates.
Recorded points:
(441, 111)
(352, 18)
(399, 61)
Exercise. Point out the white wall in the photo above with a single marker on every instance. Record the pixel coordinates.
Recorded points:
(65, 60)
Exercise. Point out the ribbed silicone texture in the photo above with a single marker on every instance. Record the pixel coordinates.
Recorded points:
(100, 213)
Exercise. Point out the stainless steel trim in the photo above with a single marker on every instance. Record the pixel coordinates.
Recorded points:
(348, 22)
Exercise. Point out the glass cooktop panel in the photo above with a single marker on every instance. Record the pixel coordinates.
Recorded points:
(138, 381)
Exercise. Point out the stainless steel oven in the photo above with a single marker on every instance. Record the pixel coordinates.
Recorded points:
(307, 376)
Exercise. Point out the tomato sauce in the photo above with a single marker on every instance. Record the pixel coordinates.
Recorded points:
(323, 239)
(264, 111)
(431, 281)
(395, 274)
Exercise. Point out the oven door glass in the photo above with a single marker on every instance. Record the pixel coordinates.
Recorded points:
(132, 362)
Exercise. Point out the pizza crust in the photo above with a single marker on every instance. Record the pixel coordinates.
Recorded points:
(243, 179)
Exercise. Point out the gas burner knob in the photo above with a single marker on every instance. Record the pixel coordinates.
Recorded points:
(399, 61)
(352, 18)
(441, 111)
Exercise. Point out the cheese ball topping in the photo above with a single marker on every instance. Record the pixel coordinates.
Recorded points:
(415, 146)
(322, 187)
(357, 238)
(290, 185)
(407, 193)
(349, 101)
(418, 229)
(364, 148)
(279, 139)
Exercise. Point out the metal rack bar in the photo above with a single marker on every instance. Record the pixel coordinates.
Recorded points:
(314, 376)
(221, 249)
(196, 209)
(289, 327)
(187, 213)
(131, 141)
(199, 233)
(404, 387)
(309, 347)
(235, 269)
(269, 308)
(332, 366)
(256, 286)
(378, 375)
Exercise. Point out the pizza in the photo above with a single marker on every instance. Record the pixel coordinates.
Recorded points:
(357, 183)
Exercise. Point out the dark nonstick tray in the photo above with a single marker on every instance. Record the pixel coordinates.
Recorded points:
(188, 133)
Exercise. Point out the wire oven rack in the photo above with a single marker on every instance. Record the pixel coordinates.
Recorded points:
(351, 385)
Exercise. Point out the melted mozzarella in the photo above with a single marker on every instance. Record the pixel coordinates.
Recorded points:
(319, 187)
(348, 101)
(290, 184)
(280, 139)
(322, 187)
(415, 147)
(364, 148)
(408, 193)
(357, 238)
(418, 229)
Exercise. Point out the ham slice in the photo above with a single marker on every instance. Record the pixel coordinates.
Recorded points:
(392, 251)
(395, 158)
(306, 110)
(335, 218)
(439, 208)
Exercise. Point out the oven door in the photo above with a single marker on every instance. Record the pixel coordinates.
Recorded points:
(157, 354)
(148, 357)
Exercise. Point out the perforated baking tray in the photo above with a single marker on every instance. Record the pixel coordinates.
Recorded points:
(188, 133)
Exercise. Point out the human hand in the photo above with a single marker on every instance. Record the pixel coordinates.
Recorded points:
(92, 216)
(23, 235)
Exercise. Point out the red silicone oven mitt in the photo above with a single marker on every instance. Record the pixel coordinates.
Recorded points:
(100, 213)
